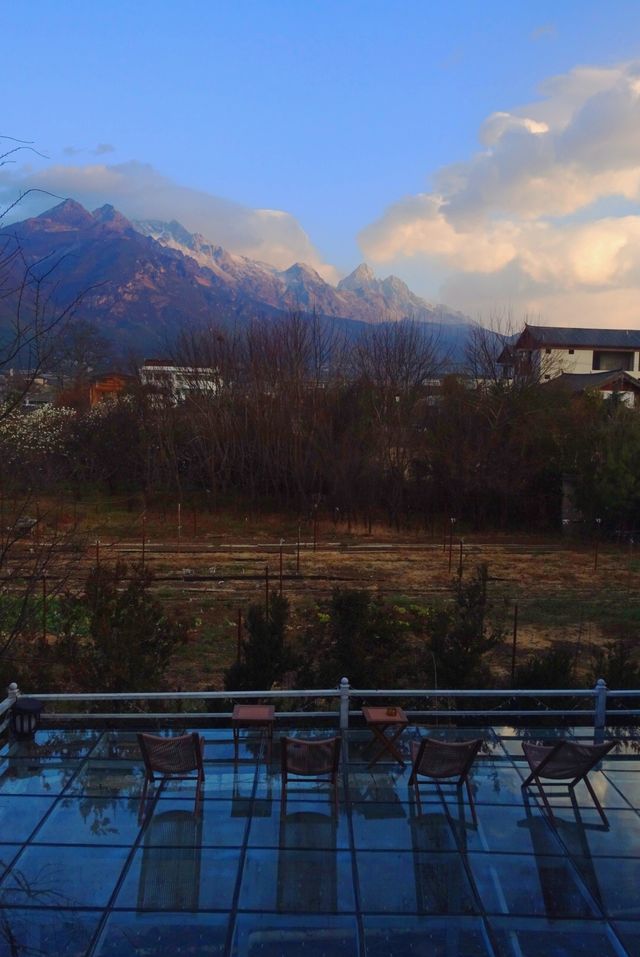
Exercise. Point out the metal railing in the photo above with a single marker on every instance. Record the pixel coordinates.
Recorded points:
(596, 711)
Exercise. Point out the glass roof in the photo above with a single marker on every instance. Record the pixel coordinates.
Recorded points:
(86, 871)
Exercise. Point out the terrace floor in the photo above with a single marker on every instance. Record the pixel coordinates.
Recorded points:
(79, 875)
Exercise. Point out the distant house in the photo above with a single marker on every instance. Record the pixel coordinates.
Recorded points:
(108, 387)
(620, 383)
(549, 351)
(30, 392)
(175, 382)
(36, 398)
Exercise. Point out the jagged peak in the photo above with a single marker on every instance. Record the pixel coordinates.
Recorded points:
(110, 216)
(396, 285)
(69, 212)
(299, 270)
(361, 276)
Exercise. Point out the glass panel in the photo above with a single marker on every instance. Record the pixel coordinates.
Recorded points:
(531, 937)
(297, 881)
(386, 786)
(614, 882)
(529, 885)
(174, 822)
(63, 876)
(419, 936)
(91, 820)
(627, 782)
(311, 824)
(495, 782)
(151, 935)
(629, 934)
(388, 830)
(268, 935)
(417, 883)
(180, 878)
(586, 834)
(32, 776)
(109, 779)
(222, 781)
(20, 815)
(46, 933)
(509, 829)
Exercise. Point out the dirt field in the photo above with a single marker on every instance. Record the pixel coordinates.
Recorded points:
(214, 565)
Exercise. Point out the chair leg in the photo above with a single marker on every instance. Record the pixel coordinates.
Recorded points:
(472, 803)
(145, 797)
(199, 787)
(416, 790)
(595, 800)
(545, 801)
(143, 800)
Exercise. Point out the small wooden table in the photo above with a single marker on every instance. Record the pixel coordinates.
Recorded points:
(379, 720)
(252, 716)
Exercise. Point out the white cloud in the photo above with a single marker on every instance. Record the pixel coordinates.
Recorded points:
(140, 192)
(529, 217)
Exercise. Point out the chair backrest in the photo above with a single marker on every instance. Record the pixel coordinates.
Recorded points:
(310, 757)
(444, 759)
(171, 755)
(565, 760)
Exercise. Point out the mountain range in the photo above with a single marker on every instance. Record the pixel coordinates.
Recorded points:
(142, 282)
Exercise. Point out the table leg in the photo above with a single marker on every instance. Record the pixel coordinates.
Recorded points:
(387, 743)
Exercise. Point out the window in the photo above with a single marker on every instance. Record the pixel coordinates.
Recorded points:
(608, 361)
(548, 351)
(571, 351)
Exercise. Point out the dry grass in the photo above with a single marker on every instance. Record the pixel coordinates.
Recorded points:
(216, 564)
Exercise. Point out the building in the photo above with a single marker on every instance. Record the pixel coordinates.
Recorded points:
(108, 387)
(623, 385)
(548, 351)
(175, 382)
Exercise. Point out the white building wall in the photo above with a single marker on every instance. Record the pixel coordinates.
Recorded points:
(555, 361)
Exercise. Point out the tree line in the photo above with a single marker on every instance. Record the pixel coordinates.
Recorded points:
(374, 429)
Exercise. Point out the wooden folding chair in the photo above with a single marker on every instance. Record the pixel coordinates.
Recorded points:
(311, 759)
(565, 762)
(174, 758)
(443, 760)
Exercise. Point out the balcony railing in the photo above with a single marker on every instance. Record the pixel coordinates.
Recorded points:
(600, 704)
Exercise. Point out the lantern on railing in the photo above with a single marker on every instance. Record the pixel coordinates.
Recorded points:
(25, 716)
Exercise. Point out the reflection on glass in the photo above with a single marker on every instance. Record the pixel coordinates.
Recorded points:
(369, 790)
(243, 804)
(46, 933)
(439, 879)
(170, 869)
(308, 882)
(573, 834)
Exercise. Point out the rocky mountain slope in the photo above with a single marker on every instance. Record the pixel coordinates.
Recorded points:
(142, 282)
(358, 296)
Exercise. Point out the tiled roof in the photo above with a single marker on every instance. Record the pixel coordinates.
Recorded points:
(583, 338)
(579, 381)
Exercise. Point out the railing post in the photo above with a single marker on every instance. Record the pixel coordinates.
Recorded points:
(600, 710)
(13, 691)
(344, 704)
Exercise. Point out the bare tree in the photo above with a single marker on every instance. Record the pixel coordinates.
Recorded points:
(31, 315)
(32, 539)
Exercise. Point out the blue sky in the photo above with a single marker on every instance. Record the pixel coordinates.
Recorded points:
(343, 116)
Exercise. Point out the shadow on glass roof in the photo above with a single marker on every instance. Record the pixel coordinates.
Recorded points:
(82, 874)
